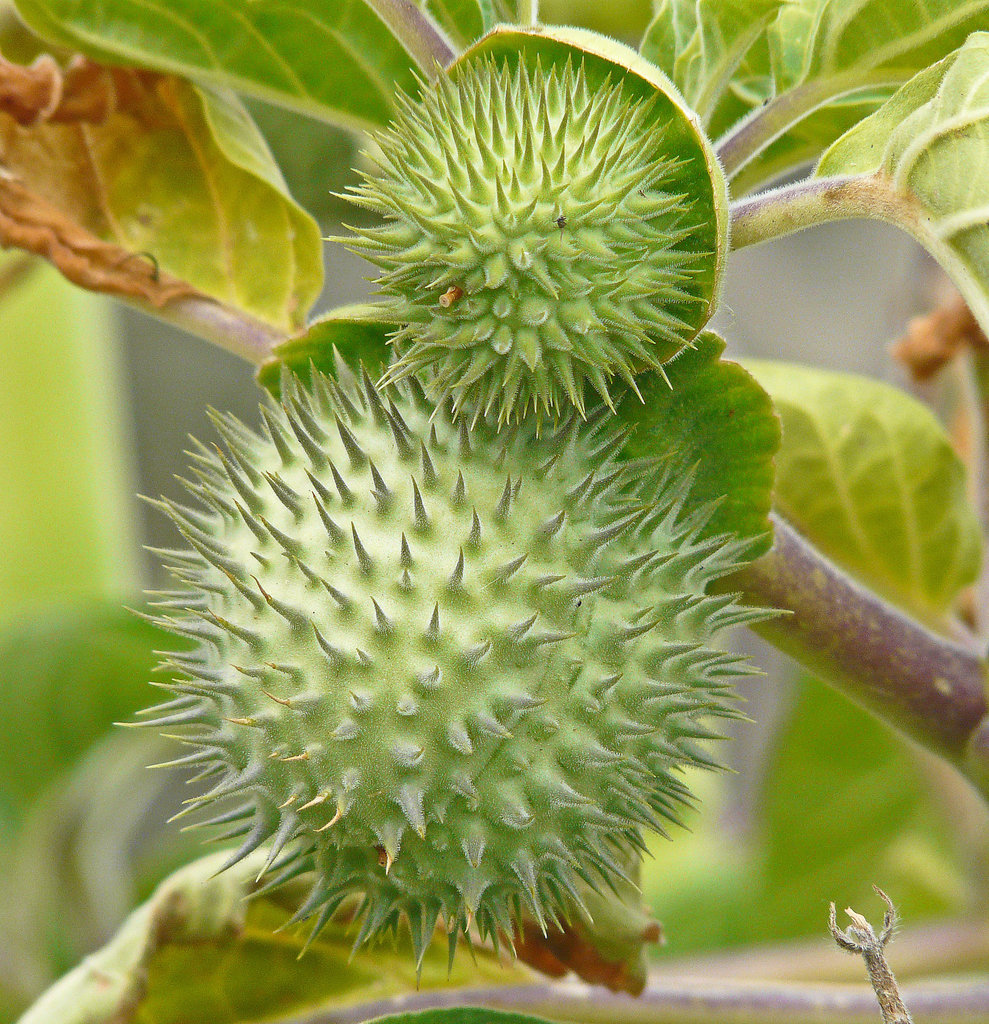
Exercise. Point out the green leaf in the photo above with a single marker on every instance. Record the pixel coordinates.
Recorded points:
(460, 1015)
(332, 59)
(722, 427)
(847, 805)
(174, 192)
(198, 952)
(854, 43)
(829, 62)
(841, 803)
(701, 43)
(929, 146)
(354, 332)
(869, 476)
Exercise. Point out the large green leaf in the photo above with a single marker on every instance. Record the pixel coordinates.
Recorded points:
(848, 805)
(172, 193)
(721, 426)
(868, 474)
(199, 952)
(332, 59)
(701, 44)
(928, 147)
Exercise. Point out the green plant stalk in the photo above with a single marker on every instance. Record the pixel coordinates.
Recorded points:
(225, 326)
(928, 686)
(755, 133)
(417, 32)
(65, 514)
(528, 12)
(784, 211)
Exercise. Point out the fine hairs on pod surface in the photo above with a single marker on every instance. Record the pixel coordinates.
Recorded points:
(453, 671)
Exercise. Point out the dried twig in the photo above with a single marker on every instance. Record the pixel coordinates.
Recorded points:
(859, 938)
(933, 340)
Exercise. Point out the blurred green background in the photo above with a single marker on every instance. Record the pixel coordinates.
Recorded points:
(96, 404)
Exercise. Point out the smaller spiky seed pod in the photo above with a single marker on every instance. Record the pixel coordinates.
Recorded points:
(536, 240)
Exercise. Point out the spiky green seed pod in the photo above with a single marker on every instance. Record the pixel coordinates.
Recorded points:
(541, 235)
(452, 670)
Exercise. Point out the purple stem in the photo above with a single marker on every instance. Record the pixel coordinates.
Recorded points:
(688, 1000)
(416, 31)
(927, 685)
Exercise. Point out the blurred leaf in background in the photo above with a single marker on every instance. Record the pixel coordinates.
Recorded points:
(65, 497)
(82, 833)
(844, 804)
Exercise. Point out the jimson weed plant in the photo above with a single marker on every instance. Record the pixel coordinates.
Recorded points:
(452, 633)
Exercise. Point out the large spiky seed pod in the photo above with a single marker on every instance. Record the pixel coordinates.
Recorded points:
(538, 236)
(451, 670)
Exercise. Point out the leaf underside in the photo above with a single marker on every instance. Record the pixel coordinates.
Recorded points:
(869, 476)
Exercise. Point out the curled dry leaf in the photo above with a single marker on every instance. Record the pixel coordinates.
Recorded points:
(933, 340)
(85, 93)
(144, 186)
(28, 222)
(562, 950)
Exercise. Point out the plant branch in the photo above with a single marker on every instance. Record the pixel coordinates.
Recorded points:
(860, 938)
(922, 951)
(417, 32)
(752, 135)
(930, 687)
(688, 1000)
(229, 328)
(783, 211)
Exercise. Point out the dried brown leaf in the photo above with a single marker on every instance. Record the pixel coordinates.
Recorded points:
(572, 948)
(27, 221)
(141, 185)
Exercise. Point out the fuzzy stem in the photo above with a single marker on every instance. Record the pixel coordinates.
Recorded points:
(860, 938)
(928, 686)
(783, 211)
(225, 326)
(688, 1000)
(755, 133)
(417, 32)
